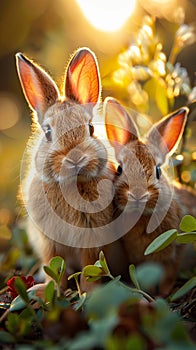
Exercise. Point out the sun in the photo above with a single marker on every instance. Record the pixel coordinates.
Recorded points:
(107, 15)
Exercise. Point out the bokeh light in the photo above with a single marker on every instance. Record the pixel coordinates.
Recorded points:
(180, 157)
(107, 15)
(9, 112)
(186, 176)
(194, 155)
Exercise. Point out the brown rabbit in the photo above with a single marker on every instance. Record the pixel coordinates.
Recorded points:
(147, 203)
(68, 187)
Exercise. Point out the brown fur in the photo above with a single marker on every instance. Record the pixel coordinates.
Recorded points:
(64, 201)
(145, 205)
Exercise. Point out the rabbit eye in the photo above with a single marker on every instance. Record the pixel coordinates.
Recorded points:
(91, 129)
(158, 172)
(119, 170)
(143, 174)
(48, 132)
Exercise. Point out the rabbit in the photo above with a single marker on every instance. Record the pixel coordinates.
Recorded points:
(147, 203)
(68, 185)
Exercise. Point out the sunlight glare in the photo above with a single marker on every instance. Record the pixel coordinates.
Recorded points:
(107, 15)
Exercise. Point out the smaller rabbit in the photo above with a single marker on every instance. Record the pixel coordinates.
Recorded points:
(68, 186)
(147, 202)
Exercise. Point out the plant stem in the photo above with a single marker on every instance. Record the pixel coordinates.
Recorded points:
(137, 290)
(58, 290)
(4, 315)
(173, 54)
(110, 276)
(78, 286)
(3, 290)
(146, 295)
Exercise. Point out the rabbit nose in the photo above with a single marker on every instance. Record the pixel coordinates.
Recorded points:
(76, 161)
(138, 196)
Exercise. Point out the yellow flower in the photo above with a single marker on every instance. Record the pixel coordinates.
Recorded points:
(185, 35)
(137, 95)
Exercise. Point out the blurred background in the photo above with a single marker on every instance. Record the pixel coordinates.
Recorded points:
(146, 53)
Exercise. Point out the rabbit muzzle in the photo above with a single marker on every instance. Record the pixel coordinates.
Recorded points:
(81, 162)
(75, 161)
(137, 199)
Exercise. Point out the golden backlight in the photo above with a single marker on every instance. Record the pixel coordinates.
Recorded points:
(107, 15)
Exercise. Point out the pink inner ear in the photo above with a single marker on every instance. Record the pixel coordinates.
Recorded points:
(173, 128)
(28, 80)
(117, 134)
(119, 127)
(39, 89)
(82, 78)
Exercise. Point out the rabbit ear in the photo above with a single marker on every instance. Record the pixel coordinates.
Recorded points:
(39, 89)
(119, 126)
(164, 136)
(82, 82)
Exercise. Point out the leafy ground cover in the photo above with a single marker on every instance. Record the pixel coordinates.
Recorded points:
(114, 316)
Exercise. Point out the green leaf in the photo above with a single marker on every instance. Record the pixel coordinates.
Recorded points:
(21, 288)
(51, 273)
(103, 327)
(41, 315)
(149, 275)
(105, 299)
(17, 304)
(25, 315)
(161, 97)
(74, 275)
(184, 289)
(6, 337)
(92, 271)
(81, 302)
(62, 303)
(96, 337)
(184, 238)
(93, 279)
(136, 342)
(160, 326)
(133, 276)
(57, 264)
(12, 323)
(83, 341)
(103, 262)
(49, 292)
(161, 242)
(188, 223)
(97, 263)
(56, 269)
(130, 342)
